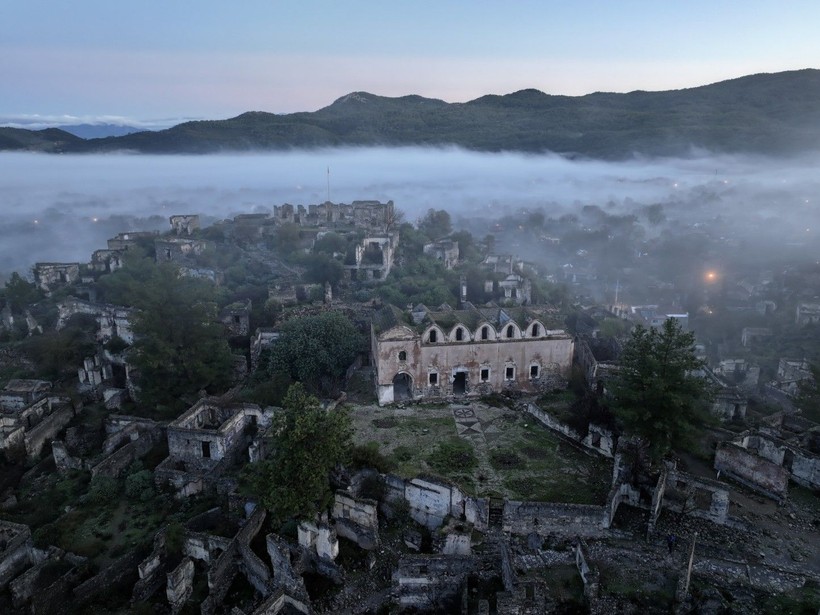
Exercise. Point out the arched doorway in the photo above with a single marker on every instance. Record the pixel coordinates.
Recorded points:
(402, 387)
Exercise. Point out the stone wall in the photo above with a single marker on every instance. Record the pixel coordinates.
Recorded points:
(598, 440)
(50, 426)
(752, 470)
(545, 518)
(16, 550)
(180, 584)
(120, 571)
(430, 499)
(431, 582)
(357, 519)
(121, 458)
(622, 493)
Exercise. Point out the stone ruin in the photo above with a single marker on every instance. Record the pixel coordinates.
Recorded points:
(210, 437)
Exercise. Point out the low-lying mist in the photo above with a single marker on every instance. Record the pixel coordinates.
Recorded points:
(62, 207)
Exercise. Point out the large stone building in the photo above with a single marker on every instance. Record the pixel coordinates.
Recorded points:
(444, 353)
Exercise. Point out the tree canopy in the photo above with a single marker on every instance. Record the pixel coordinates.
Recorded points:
(309, 442)
(179, 348)
(658, 394)
(316, 351)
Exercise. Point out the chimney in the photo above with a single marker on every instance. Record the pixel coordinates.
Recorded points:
(463, 296)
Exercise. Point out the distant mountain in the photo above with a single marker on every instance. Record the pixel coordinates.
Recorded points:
(767, 114)
(98, 131)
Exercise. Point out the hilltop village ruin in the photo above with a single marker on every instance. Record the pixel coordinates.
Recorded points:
(486, 477)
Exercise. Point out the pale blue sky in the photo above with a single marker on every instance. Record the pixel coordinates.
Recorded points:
(154, 60)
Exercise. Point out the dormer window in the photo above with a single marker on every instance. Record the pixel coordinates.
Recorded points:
(485, 333)
(459, 334)
(510, 331)
(536, 330)
(433, 337)
(402, 355)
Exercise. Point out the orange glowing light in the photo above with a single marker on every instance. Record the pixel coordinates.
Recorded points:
(711, 276)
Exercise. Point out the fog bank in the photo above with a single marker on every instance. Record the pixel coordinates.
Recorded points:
(62, 207)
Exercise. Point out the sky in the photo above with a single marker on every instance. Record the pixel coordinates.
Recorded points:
(154, 63)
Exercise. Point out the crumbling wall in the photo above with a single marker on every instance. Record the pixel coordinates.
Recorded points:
(698, 497)
(477, 512)
(254, 569)
(622, 493)
(50, 426)
(431, 582)
(430, 499)
(751, 470)
(283, 602)
(63, 461)
(545, 518)
(121, 458)
(180, 584)
(599, 439)
(806, 469)
(16, 550)
(357, 519)
(120, 571)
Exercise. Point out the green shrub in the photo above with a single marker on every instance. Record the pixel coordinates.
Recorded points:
(453, 455)
(369, 456)
(103, 489)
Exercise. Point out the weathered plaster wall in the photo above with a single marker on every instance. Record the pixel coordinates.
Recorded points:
(750, 469)
(546, 518)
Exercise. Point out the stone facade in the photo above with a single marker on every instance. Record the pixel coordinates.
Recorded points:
(49, 276)
(445, 251)
(184, 224)
(177, 249)
(471, 352)
(18, 394)
(360, 214)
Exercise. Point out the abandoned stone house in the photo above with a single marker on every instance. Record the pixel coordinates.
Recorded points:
(785, 447)
(18, 393)
(29, 428)
(373, 257)
(514, 288)
(177, 249)
(106, 261)
(49, 276)
(807, 313)
(445, 251)
(184, 224)
(113, 320)
(371, 215)
(123, 241)
(209, 437)
(431, 354)
(791, 375)
(236, 318)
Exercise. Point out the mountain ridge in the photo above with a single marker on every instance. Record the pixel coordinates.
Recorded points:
(766, 113)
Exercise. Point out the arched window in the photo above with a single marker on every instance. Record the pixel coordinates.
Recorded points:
(510, 331)
(459, 334)
(433, 337)
(402, 355)
(536, 330)
(485, 333)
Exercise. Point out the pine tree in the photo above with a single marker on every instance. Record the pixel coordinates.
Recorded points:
(659, 394)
